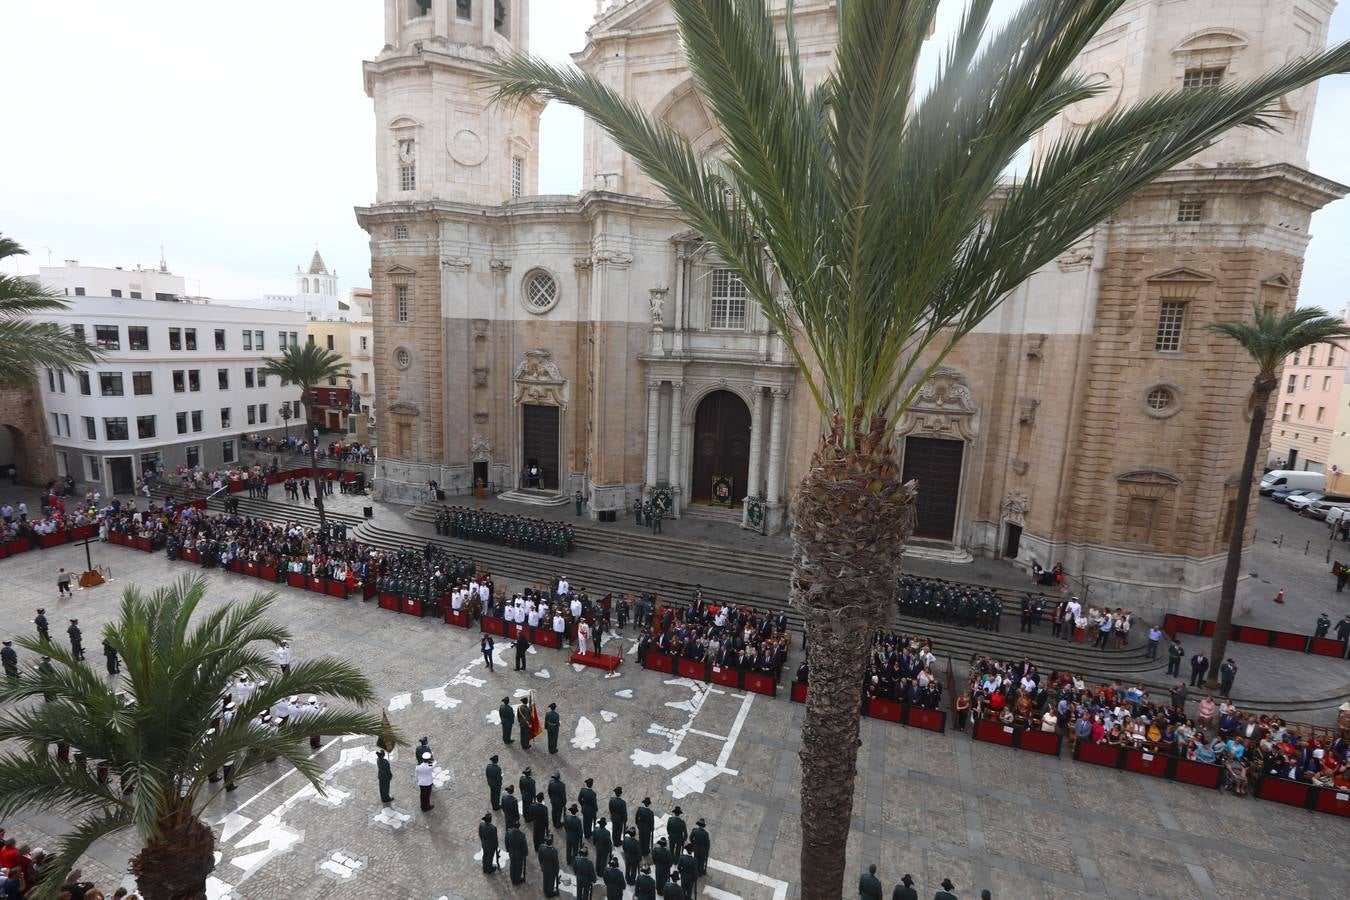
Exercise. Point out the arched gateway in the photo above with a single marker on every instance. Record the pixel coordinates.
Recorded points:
(721, 446)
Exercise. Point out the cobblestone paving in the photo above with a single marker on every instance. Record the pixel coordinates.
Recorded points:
(936, 806)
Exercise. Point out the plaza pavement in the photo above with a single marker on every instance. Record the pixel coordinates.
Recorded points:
(1023, 825)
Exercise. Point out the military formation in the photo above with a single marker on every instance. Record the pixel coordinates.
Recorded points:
(951, 603)
(425, 575)
(621, 855)
(517, 532)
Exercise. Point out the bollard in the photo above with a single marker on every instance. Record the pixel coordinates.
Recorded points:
(1306, 545)
(1280, 542)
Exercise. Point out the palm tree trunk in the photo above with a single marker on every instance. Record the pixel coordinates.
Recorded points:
(851, 518)
(174, 866)
(1223, 619)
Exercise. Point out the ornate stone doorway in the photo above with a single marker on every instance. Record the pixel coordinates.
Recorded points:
(539, 442)
(721, 445)
(936, 462)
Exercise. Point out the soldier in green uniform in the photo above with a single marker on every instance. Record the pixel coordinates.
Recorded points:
(552, 722)
(632, 855)
(538, 817)
(76, 641)
(385, 775)
(645, 888)
(518, 849)
(523, 718)
(905, 889)
(572, 828)
(548, 866)
(702, 842)
(511, 805)
(946, 892)
(590, 805)
(646, 824)
(673, 889)
(507, 717)
(662, 859)
(527, 787)
(494, 780)
(10, 660)
(487, 836)
(45, 668)
(604, 844)
(41, 622)
(676, 830)
(869, 885)
(613, 878)
(557, 798)
(584, 870)
(688, 872)
(618, 814)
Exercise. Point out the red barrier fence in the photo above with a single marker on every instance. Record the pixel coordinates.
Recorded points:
(1262, 637)
(888, 711)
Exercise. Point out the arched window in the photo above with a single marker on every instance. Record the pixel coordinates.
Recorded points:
(304, 285)
(464, 9)
(499, 17)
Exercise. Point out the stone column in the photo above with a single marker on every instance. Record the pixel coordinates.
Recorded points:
(754, 480)
(775, 488)
(676, 465)
(653, 430)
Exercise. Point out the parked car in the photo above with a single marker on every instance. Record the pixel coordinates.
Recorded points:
(1290, 479)
(1300, 502)
(1336, 514)
(1283, 495)
(1318, 508)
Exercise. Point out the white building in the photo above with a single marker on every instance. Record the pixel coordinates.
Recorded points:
(179, 383)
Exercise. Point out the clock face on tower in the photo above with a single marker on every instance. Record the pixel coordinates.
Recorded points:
(407, 150)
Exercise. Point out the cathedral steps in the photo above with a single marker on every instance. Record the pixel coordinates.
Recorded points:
(600, 573)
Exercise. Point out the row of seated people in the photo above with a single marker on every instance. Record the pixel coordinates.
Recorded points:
(1248, 746)
(724, 634)
(536, 535)
(899, 669)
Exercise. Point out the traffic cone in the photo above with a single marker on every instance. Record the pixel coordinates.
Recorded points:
(1279, 598)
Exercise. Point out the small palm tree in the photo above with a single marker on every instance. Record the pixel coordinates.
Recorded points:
(307, 365)
(1270, 340)
(27, 345)
(872, 225)
(152, 732)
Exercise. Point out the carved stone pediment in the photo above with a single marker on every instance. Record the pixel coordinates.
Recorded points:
(539, 380)
(1015, 508)
(404, 408)
(942, 408)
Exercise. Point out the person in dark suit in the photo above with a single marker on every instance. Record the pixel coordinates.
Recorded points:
(604, 844)
(584, 870)
(539, 818)
(487, 645)
(689, 872)
(511, 805)
(572, 829)
(557, 799)
(869, 885)
(905, 889)
(614, 883)
(590, 805)
(522, 646)
(946, 892)
(645, 888)
(663, 859)
(645, 820)
(632, 855)
(1199, 666)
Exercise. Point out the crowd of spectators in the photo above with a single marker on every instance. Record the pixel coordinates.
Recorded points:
(24, 867)
(726, 635)
(1248, 746)
(343, 451)
(900, 669)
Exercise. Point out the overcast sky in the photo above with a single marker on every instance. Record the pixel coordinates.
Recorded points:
(238, 136)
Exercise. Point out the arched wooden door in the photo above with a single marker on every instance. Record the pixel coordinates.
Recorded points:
(721, 445)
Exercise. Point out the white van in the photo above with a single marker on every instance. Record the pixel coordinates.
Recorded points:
(1290, 480)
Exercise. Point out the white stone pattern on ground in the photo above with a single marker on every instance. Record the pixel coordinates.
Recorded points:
(626, 693)
(542, 673)
(585, 737)
(608, 716)
(694, 779)
(340, 865)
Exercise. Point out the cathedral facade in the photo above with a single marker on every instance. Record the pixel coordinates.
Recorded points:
(1093, 420)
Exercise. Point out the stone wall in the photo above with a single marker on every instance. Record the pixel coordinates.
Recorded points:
(21, 412)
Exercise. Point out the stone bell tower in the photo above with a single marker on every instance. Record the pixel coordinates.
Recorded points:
(437, 137)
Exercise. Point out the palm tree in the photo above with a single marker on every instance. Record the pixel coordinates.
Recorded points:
(27, 345)
(1269, 340)
(874, 229)
(307, 365)
(154, 733)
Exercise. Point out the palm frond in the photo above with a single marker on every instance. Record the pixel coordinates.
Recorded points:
(73, 845)
(1270, 339)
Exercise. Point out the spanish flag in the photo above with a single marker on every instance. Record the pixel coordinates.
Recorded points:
(535, 727)
(384, 741)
